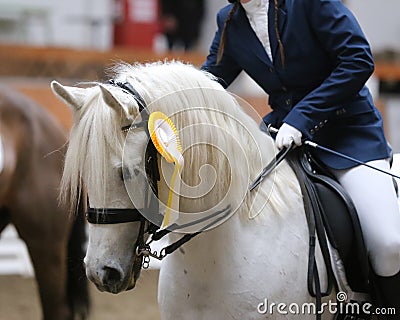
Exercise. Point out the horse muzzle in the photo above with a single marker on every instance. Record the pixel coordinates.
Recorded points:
(112, 278)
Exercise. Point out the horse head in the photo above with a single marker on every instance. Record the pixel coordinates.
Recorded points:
(95, 160)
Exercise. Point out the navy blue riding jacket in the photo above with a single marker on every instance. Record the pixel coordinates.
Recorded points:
(320, 89)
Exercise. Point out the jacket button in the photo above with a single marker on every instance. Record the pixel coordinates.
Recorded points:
(288, 102)
(312, 131)
(284, 88)
(271, 69)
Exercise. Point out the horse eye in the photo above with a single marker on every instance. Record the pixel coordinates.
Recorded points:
(124, 174)
(121, 174)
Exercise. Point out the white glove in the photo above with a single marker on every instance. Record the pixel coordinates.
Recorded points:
(287, 135)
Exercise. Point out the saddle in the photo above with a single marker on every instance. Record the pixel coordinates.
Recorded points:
(332, 218)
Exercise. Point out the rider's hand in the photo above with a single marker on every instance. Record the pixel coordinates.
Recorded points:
(287, 135)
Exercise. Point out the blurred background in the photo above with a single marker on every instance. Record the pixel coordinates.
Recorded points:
(75, 40)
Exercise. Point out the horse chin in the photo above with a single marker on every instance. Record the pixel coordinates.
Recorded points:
(115, 289)
(136, 268)
(109, 288)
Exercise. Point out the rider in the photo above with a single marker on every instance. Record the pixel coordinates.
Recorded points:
(313, 60)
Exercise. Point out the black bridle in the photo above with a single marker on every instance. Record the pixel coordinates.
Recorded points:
(151, 208)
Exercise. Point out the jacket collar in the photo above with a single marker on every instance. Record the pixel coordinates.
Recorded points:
(245, 31)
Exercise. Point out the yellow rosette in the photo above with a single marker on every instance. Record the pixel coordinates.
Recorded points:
(165, 138)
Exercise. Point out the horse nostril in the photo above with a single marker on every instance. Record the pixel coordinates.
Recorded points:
(111, 276)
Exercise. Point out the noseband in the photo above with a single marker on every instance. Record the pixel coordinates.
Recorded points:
(151, 209)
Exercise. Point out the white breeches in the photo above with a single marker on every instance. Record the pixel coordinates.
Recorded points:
(374, 197)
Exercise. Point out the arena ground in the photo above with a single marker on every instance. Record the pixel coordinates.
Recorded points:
(19, 300)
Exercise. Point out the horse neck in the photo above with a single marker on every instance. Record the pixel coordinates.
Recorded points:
(212, 243)
(241, 236)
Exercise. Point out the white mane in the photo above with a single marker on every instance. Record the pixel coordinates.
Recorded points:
(190, 97)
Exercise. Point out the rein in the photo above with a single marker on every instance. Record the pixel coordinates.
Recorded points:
(118, 215)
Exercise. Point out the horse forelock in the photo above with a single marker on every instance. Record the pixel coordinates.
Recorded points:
(94, 135)
(193, 100)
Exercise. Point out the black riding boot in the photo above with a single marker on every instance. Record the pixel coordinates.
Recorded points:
(389, 295)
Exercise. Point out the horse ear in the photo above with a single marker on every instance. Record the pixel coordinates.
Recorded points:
(72, 96)
(110, 100)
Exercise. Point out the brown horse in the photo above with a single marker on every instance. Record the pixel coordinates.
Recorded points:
(32, 147)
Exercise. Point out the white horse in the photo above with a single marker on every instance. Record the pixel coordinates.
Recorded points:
(240, 269)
